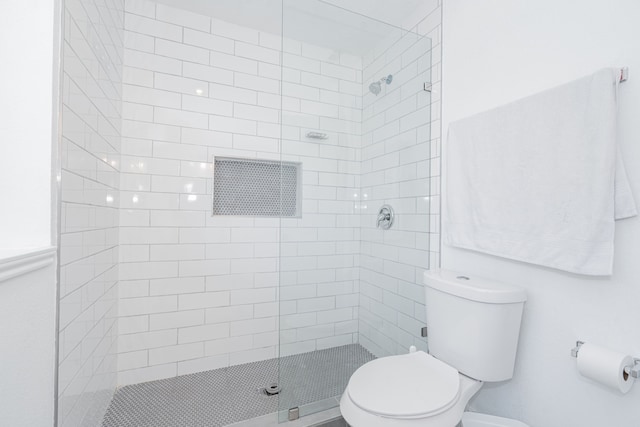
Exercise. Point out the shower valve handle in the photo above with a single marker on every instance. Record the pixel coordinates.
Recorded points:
(385, 217)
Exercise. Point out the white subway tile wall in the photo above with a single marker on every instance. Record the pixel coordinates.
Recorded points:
(200, 292)
(400, 167)
(93, 55)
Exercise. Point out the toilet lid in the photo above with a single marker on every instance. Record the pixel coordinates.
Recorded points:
(405, 386)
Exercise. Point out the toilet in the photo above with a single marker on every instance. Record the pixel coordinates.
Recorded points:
(473, 329)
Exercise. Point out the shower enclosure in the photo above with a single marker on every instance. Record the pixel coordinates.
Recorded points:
(246, 207)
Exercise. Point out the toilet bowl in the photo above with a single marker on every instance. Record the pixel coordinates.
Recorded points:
(408, 390)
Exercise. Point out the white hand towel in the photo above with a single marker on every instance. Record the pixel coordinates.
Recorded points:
(541, 180)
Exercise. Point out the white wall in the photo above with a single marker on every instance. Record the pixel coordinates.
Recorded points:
(27, 334)
(498, 51)
(28, 48)
(26, 85)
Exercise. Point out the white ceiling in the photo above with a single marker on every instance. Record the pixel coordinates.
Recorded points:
(353, 26)
(264, 15)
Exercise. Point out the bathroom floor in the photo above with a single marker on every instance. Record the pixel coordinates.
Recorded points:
(225, 396)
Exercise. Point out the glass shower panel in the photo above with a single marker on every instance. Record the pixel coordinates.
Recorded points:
(356, 118)
(395, 173)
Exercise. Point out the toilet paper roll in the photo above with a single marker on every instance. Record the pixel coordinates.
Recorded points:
(605, 366)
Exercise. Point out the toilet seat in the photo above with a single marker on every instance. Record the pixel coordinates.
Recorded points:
(408, 386)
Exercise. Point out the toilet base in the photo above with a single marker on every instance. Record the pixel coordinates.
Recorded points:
(475, 419)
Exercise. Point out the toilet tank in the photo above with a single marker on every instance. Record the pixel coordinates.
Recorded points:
(473, 323)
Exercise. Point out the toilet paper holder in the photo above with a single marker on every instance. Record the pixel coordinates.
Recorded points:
(631, 370)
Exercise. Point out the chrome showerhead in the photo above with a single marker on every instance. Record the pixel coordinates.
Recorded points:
(376, 87)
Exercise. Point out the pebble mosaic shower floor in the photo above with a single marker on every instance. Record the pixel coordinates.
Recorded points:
(225, 396)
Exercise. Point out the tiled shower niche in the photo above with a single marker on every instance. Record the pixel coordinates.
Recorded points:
(254, 187)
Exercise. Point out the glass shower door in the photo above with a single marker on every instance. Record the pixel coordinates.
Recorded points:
(356, 119)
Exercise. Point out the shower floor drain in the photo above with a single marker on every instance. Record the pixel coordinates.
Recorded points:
(272, 389)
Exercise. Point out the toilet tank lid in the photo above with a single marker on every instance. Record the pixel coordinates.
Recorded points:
(473, 288)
